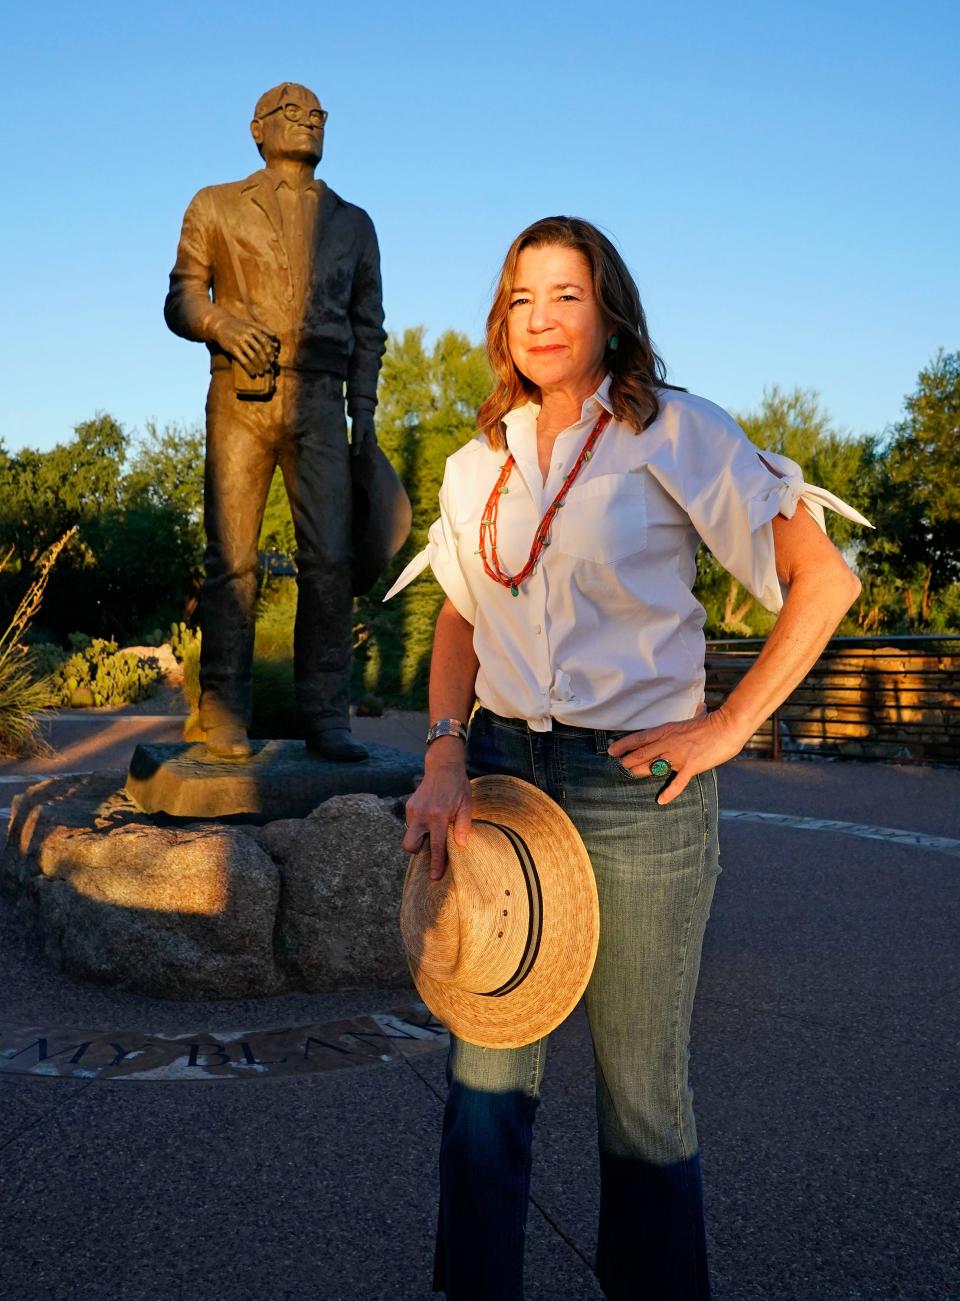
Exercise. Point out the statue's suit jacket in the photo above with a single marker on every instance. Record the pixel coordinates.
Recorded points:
(232, 246)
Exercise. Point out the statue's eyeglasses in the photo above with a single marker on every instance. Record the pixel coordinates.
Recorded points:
(294, 113)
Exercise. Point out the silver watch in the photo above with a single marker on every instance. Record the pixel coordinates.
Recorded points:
(446, 727)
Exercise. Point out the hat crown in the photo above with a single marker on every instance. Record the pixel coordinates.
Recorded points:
(470, 928)
(430, 925)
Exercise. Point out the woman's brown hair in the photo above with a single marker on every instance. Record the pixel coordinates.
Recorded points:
(636, 369)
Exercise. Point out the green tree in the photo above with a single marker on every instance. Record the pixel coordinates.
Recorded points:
(914, 477)
(795, 424)
(276, 532)
(43, 494)
(166, 469)
(132, 561)
(428, 404)
(163, 488)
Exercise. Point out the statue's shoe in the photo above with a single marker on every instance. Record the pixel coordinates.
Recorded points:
(335, 744)
(229, 741)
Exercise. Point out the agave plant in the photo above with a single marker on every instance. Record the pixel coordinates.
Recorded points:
(25, 698)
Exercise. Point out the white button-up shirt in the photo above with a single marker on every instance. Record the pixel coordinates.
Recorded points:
(606, 632)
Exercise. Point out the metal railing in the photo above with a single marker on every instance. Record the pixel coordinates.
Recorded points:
(879, 698)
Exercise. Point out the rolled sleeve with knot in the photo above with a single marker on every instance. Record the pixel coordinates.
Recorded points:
(732, 491)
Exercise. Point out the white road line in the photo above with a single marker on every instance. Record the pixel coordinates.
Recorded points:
(896, 835)
(141, 720)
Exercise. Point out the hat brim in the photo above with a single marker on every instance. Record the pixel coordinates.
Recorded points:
(381, 516)
(570, 932)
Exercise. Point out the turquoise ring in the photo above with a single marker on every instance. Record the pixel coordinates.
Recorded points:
(659, 768)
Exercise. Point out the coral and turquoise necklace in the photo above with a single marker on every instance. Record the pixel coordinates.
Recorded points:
(488, 521)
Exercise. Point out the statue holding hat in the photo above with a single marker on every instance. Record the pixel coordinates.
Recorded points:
(280, 278)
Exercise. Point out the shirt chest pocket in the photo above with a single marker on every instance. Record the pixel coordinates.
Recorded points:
(604, 519)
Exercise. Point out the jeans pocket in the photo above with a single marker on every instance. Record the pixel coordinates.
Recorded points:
(710, 799)
(622, 771)
(643, 779)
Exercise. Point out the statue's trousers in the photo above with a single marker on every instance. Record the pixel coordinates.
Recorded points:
(302, 428)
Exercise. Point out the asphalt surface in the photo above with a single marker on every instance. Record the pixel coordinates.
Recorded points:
(824, 1060)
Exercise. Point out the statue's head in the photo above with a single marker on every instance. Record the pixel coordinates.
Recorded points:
(288, 123)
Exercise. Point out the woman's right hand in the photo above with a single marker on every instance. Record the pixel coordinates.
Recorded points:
(441, 798)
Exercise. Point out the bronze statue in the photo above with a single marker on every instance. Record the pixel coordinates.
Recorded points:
(280, 278)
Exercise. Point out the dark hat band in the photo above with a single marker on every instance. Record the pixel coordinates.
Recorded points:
(534, 911)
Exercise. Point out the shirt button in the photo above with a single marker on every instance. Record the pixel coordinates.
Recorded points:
(537, 629)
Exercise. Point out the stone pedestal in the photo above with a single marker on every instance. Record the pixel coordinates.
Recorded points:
(207, 911)
(281, 780)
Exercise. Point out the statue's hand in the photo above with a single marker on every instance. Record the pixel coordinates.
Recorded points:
(363, 435)
(254, 347)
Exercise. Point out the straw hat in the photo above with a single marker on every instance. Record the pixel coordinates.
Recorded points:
(501, 947)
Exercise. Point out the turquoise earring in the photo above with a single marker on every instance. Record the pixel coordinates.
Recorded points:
(614, 343)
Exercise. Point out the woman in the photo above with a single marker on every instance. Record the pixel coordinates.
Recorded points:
(566, 548)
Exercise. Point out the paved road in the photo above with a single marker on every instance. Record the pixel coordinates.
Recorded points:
(86, 742)
(824, 1062)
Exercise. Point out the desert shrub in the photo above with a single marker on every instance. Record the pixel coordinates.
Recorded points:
(274, 709)
(185, 644)
(99, 673)
(25, 692)
(191, 675)
(274, 703)
(183, 640)
(24, 697)
(276, 613)
(45, 658)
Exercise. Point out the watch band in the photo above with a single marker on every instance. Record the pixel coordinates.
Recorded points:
(446, 727)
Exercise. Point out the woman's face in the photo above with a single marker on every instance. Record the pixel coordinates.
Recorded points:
(555, 330)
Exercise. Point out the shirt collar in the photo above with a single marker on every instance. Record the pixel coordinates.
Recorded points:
(524, 418)
(602, 396)
(277, 180)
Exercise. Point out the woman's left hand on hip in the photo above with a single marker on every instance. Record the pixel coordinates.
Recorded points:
(695, 746)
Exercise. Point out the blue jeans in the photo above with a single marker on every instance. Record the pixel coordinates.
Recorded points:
(656, 868)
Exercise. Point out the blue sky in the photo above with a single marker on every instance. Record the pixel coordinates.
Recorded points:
(782, 179)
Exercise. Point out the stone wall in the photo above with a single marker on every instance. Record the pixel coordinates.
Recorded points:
(867, 702)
